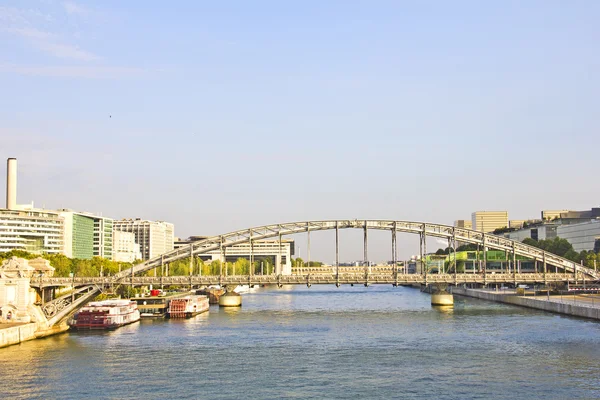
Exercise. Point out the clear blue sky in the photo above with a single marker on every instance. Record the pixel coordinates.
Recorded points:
(218, 116)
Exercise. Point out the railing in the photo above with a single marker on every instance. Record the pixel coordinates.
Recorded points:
(375, 276)
(421, 228)
(61, 307)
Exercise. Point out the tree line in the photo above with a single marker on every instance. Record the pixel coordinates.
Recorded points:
(64, 266)
(558, 246)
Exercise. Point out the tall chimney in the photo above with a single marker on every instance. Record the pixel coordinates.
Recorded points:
(11, 183)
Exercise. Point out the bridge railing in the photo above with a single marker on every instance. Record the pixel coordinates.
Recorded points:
(427, 229)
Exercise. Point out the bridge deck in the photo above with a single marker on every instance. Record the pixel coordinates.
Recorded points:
(315, 279)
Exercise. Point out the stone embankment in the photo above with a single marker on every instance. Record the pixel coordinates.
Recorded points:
(551, 305)
(18, 333)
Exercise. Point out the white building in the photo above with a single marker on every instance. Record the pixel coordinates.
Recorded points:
(261, 249)
(154, 237)
(32, 231)
(583, 236)
(125, 249)
(536, 232)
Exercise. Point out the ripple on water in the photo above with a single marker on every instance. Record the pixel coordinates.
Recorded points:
(352, 342)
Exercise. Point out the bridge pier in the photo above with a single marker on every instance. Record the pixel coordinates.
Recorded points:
(230, 299)
(441, 297)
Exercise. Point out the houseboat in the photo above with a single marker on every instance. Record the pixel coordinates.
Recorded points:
(106, 314)
(156, 305)
(187, 306)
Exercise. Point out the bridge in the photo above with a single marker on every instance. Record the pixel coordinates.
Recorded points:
(554, 269)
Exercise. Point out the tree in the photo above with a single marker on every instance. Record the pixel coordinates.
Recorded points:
(467, 247)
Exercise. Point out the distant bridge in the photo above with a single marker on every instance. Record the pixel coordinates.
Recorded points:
(423, 229)
(554, 268)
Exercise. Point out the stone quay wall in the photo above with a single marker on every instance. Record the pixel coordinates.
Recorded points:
(545, 305)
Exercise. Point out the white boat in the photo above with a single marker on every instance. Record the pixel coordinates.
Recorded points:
(245, 288)
(187, 306)
(106, 314)
(242, 289)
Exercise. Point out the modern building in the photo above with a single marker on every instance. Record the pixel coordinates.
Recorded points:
(488, 221)
(583, 236)
(87, 235)
(36, 232)
(516, 223)
(154, 237)
(549, 215)
(577, 217)
(539, 231)
(261, 249)
(125, 249)
(103, 237)
(463, 223)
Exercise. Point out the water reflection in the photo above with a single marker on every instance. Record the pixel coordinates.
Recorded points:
(322, 342)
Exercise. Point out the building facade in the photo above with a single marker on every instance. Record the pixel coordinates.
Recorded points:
(86, 235)
(583, 236)
(536, 232)
(125, 249)
(549, 215)
(261, 249)
(488, 221)
(103, 237)
(154, 237)
(36, 232)
(463, 223)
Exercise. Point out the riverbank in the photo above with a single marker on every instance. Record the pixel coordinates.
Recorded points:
(550, 304)
(18, 333)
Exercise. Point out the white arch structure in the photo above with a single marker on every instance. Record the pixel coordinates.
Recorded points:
(424, 229)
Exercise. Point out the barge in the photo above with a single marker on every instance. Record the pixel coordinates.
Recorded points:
(187, 306)
(106, 314)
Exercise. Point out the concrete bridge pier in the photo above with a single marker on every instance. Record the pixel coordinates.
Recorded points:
(441, 297)
(230, 299)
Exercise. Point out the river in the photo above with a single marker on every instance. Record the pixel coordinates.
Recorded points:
(320, 342)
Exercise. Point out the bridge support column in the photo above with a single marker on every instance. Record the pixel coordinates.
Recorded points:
(337, 255)
(441, 297)
(514, 264)
(191, 260)
(545, 268)
(230, 299)
(278, 259)
(394, 255)
(484, 261)
(366, 246)
(423, 250)
(162, 271)
(308, 248)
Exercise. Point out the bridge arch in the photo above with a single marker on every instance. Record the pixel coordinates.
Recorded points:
(424, 229)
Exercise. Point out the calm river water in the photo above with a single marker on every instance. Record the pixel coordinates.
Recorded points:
(323, 342)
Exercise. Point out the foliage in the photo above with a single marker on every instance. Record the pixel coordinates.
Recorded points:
(63, 265)
(563, 248)
(467, 247)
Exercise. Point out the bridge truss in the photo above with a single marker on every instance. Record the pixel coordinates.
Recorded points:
(424, 229)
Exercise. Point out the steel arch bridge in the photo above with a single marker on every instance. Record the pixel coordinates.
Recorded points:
(423, 229)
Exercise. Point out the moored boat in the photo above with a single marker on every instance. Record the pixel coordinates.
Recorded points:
(188, 306)
(155, 306)
(106, 314)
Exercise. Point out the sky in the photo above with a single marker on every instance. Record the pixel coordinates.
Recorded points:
(220, 116)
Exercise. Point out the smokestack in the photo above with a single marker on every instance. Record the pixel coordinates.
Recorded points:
(11, 183)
